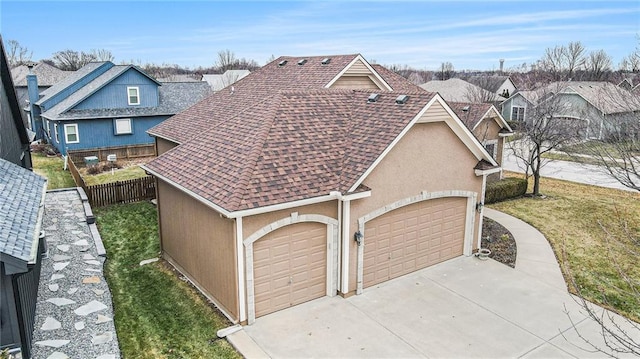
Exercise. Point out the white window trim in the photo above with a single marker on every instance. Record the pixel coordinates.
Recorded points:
(137, 95)
(115, 126)
(55, 131)
(47, 130)
(66, 135)
(495, 147)
(524, 112)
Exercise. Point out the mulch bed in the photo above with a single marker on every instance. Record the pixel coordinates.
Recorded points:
(499, 241)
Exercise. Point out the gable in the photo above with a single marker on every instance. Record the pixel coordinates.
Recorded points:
(114, 93)
(359, 75)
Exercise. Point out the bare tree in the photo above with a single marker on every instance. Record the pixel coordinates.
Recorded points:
(70, 60)
(226, 60)
(101, 55)
(597, 64)
(476, 93)
(544, 130)
(631, 62)
(17, 54)
(562, 61)
(446, 72)
(416, 78)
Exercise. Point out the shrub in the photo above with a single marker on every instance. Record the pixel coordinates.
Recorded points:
(506, 188)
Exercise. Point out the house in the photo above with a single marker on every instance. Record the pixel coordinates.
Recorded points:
(47, 75)
(601, 108)
(312, 177)
(220, 81)
(106, 105)
(458, 90)
(22, 195)
(487, 124)
(626, 84)
(502, 86)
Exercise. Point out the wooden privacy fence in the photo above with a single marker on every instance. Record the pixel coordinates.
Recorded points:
(134, 190)
(121, 152)
(128, 191)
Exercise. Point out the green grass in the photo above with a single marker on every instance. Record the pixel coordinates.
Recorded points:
(589, 147)
(157, 315)
(589, 229)
(53, 169)
(121, 174)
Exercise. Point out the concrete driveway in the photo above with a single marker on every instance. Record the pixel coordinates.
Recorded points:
(464, 307)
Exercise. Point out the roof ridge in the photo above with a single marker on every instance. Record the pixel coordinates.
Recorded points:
(249, 167)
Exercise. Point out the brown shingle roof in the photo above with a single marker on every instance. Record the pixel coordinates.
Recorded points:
(254, 88)
(289, 146)
(474, 114)
(396, 81)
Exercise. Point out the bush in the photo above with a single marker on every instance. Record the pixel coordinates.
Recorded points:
(506, 188)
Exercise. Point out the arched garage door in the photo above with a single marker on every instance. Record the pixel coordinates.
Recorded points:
(290, 266)
(413, 237)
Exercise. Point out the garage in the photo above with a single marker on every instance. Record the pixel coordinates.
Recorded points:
(413, 237)
(290, 266)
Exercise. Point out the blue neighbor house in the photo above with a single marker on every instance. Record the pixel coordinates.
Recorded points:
(104, 105)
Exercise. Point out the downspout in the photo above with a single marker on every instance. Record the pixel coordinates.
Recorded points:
(346, 242)
(480, 205)
(340, 225)
(240, 270)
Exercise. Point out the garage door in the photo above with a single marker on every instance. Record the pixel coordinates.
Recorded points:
(290, 267)
(413, 237)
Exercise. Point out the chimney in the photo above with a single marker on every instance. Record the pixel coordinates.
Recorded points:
(34, 96)
(501, 65)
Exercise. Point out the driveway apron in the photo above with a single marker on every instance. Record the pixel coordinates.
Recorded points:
(74, 313)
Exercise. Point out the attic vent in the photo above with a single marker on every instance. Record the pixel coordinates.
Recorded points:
(402, 99)
(326, 61)
(466, 108)
(373, 97)
(302, 62)
(282, 63)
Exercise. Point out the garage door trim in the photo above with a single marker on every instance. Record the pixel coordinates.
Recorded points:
(423, 196)
(332, 254)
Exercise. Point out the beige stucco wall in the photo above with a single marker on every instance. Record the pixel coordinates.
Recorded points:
(253, 223)
(429, 158)
(201, 243)
(488, 129)
(163, 145)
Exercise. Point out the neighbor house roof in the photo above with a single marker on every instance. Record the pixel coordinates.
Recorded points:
(457, 90)
(47, 75)
(281, 74)
(220, 81)
(173, 98)
(288, 146)
(69, 80)
(21, 208)
(490, 83)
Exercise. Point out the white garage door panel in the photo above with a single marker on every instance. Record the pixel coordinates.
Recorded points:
(413, 237)
(290, 267)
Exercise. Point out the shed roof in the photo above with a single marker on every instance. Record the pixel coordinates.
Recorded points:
(21, 201)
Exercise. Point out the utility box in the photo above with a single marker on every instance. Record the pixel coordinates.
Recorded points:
(91, 160)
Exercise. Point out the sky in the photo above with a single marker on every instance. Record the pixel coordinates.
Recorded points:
(421, 34)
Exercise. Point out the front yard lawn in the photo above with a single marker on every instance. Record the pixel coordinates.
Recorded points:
(53, 169)
(587, 227)
(157, 315)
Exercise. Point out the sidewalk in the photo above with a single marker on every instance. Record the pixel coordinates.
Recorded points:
(74, 313)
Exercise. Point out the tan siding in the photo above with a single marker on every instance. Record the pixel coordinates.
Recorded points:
(435, 113)
(201, 242)
(358, 67)
(253, 223)
(429, 158)
(355, 82)
(163, 145)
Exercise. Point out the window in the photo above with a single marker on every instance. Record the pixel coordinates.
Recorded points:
(133, 95)
(47, 130)
(492, 147)
(55, 131)
(517, 113)
(122, 126)
(71, 133)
